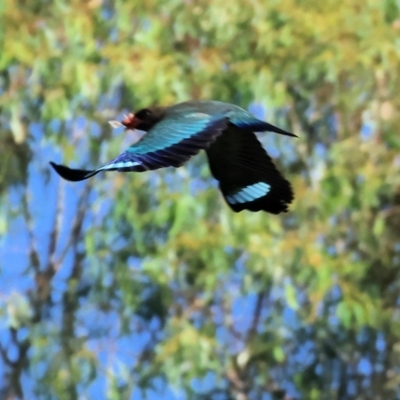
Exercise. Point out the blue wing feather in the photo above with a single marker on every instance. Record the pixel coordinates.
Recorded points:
(169, 143)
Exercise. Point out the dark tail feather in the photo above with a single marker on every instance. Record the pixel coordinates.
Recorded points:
(73, 175)
(271, 128)
(256, 125)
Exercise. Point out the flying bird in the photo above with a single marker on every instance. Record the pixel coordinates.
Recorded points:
(248, 179)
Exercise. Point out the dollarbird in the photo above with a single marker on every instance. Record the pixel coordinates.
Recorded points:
(248, 179)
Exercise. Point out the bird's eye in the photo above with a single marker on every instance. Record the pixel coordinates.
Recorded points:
(143, 114)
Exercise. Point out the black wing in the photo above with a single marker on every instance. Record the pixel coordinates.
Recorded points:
(247, 176)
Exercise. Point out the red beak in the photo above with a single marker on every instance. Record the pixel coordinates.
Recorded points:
(130, 121)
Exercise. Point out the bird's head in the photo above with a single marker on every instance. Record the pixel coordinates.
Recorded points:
(143, 119)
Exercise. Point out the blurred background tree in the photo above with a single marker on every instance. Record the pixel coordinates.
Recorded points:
(133, 286)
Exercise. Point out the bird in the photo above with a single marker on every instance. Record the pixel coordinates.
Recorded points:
(247, 176)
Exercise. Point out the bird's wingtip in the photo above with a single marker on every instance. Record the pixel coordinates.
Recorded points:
(70, 174)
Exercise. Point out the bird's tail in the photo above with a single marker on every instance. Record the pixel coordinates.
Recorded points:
(248, 122)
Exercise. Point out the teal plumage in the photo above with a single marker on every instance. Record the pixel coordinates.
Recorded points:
(247, 176)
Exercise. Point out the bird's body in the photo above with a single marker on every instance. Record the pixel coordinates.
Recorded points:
(247, 176)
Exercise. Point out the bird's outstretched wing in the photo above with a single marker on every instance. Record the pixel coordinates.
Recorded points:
(169, 143)
(247, 176)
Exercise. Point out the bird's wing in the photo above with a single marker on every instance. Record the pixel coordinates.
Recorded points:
(169, 143)
(247, 176)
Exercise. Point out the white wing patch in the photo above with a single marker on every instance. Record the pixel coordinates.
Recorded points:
(121, 164)
(249, 193)
(198, 115)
